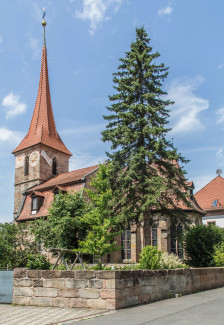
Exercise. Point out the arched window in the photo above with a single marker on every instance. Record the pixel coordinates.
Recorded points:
(26, 168)
(54, 166)
(176, 240)
(154, 235)
(126, 244)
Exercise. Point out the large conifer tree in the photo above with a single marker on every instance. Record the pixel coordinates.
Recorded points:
(145, 173)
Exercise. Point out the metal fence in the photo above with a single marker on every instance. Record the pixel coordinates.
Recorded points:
(6, 286)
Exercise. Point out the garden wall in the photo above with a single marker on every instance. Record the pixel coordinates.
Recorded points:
(109, 289)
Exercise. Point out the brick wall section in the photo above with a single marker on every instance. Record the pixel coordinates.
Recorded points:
(109, 289)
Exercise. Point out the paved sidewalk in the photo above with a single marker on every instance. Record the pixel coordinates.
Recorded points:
(201, 308)
(30, 315)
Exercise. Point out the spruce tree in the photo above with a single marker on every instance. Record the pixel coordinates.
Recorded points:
(145, 172)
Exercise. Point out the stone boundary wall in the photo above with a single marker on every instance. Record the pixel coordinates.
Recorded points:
(109, 289)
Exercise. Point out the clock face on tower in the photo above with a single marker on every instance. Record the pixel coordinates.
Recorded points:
(34, 158)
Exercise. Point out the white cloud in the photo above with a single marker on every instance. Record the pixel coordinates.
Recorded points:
(82, 160)
(221, 66)
(184, 115)
(35, 47)
(219, 153)
(220, 114)
(76, 71)
(13, 105)
(95, 12)
(0, 39)
(37, 10)
(220, 158)
(165, 11)
(8, 135)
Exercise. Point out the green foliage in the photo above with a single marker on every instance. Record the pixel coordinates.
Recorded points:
(150, 258)
(37, 262)
(15, 245)
(219, 255)
(65, 225)
(102, 226)
(199, 244)
(171, 261)
(142, 170)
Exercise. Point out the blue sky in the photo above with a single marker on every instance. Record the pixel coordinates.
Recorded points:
(85, 39)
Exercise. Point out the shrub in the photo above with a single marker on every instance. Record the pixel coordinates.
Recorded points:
(15, 245)
(150, 258)
(38, 262)
(199, 244)
(219, 254)
(171, 261)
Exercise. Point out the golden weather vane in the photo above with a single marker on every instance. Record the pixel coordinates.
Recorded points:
(44, 23)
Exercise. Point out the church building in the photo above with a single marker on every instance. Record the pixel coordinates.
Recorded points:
(42, 169)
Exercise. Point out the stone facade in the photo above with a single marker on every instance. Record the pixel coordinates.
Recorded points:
(39, 172)
(141, 236)
(109, 289)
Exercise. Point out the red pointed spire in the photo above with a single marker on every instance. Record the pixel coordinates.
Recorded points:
(42, 127)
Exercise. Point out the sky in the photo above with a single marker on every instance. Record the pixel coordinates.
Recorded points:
(85, 39)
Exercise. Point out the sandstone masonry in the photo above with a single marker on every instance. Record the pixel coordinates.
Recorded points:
(109, 289)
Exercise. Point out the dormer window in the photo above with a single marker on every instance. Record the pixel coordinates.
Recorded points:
(215, 203)
(37, 201)
(26, 167)
(54, 167)
(57, 189)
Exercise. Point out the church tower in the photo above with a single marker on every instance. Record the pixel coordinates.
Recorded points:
(41, 154)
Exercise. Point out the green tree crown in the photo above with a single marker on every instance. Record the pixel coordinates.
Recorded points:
(145, 172)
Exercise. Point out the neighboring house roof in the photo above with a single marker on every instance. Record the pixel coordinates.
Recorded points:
(213, 191)
(42, 127)
(71, 181)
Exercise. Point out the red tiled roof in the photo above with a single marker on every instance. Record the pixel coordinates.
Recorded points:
(60, 188)
(210, 192)
(36, 193)
(71, 182)
(26, 213)
(42, 127)
(194, 206)
(64, 178)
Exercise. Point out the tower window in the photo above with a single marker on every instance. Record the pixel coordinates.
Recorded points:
(26, 169)
(54, 166)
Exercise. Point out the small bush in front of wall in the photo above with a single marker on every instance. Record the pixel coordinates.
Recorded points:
(219, 255)
(199, 244)
(37, 262)
(171, 261)
(150, 258)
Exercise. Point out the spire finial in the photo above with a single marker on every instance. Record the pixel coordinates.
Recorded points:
(44, 23)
